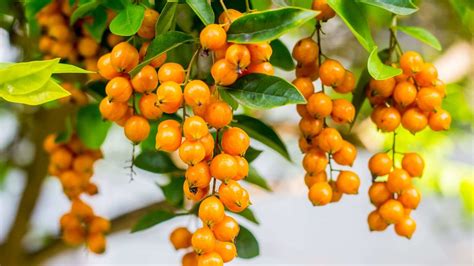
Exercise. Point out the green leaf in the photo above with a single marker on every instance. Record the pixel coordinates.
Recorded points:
(399, 7)
(98, 25)
(281, 56)
(69, 69)
(128, 21)
(354, 17)
(261, 4)
(115, 4)
(261, 91)
(83, 10)
(156, 162)
(34, 6)
(246, 244)
(91, 128)
(97, 87)
(166, 18)
(151, 219)
(203, 10)
(173, 191)
(65, 135)
(248, 214)
(161, 44)
(268, 25)
(379, 70)
(358, 96)
(224, 94)
(258, 130)
(422, 35)
(48, 92)
(255, 178)
(251, 154)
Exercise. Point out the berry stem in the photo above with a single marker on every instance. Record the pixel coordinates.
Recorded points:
(394, 44)
(247, 5)
(320, 49)
(393, 148)
(225, 9)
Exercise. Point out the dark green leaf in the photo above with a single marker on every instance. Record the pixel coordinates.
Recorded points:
(98, 25)
(248, 214)
(151, 219)
(97, 87)
(358, 96)
(261, 4)
(261, 132)
(399, 7)
(224, 94)
(251, 154)
(281, 56)
(246, 244)
(128, 21)
(422, 35)
(261, 91)
(267, 25)
(91, 128)
(82, 10)
(377, 69)
(34, 6)
(166, 18)
(173, 191)
(115, 4)
(65, 135)
(161, 44)
(255, 178)
(156, 162)
(203, 10)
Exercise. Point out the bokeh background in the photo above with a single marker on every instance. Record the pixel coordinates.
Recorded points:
(291, 231)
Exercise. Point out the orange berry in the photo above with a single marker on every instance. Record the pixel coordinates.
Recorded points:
(195, 128)
(224, 167)
(398, 180)
(380, 164)
(305, 86)
(226, 230)
(73, 236)
(427, 75)
(304, 144)
(218, 114)
(147, 28)
(439, 120)
(261, 68)
(346, 155)
(191, 152)
(213, 37)
(315, 161)
(171, 72)
(168, 137)
(233, 196)
(61, 158)
(194, 194)
(379, 193)
(189, 259)
(83, 164)
(392, 211)
(374, 99)
(319, 105)
(428, 99)
(137, 128)
(310, 127)
(239, 55)
(406, 227)
(224, 73)
(388, 119)
(157, 61)
(119, 89)
(49, 143)
(242, 168)
(414, 120)
(203, 241)
(342, 111)
(226, 250)
(59, 32)
(81, 210)
(113, 39)
(404, 93)
(235, 141)
(45, 44)
(383, 88)
(210, 259)
(320, 193)
(411, 62)
(376, 222)
(69, 220)
(305, 51)
(146, 80)
(148, 108)
(112, 111)
(196, 93)
(99, 225)
(226, 18)
(105, 67)
(169, 97)
(413, 163)
(211, 211)
(348, 182)
(260, 52)
(347, 85)
(208, 143)
(310, 70)
(331, 73)
(336, 194)
(302, 111)
(311, 179)
(87, 47)
(410, 197)
(329, 140)
(326, 12)
(220, 53)
(440, 87)
(198, 175)
(124, 57)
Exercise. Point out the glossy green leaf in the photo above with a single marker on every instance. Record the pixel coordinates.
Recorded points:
(249, 215)
(161, 44)
(422, 35)
(99, 24)
(82, 10)
(255, 178)
(354, 17)
(173, 191)
(399, 7)
(377, 69)
(128, 21)
(258, 130)
(260, 91)
(69, 69)
(224, 94)
(166, 18)
(203, 10)
(281, 56)
(34, 6)
(151, 219)
(268, 25)
(156, 162)
(246, 244)
(261, 4)
(358, 96)
(91, 128)
(251, 154)
(48, 92)
(115, 4)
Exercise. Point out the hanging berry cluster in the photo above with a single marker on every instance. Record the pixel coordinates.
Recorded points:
(321, 143)
(412, 99)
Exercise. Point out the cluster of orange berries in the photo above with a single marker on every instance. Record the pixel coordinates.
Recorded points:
(81, 225)
(412, 99)
(77, 97)
(395, 197)
(234, 60)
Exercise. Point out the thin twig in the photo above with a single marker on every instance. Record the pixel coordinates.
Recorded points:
(393, 148)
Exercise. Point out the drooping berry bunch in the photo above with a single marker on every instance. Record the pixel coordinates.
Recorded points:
(412, 99)
(321, 143)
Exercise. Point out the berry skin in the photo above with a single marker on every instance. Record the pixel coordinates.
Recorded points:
(195, 128)
(410, 197)
(305, 51)
(218, 114)
(242, 168)
(105, 67)
(112, 111)
(310, 127)
(213, 37)
(311, 179)
(168, 137)
(376, 222)
(439, 120)
(124, 57)
(406, 227)
(208, 143)
(226, 250)
(260, 52)
(315, 161)
(331, 73)
(146, 80)
(427, 75)
(428, 99)
(346, 155)
(61, 158)
(99, 225)
(238, 55)
(203, 240)
(392, 211)
(304, 145)
(196, 93)
(336, 194)
(379, 193)
(326, 11)
(302, 111)
(180, 238)
(319, 105)
(210, 259)
(342, 111)
(189, 259)
(83, 164)
(73, 236)
(49, 143)
(156, 62)
(329, 140)
(261, 68)
(171, 72)
(320, 194)
(310, 71)
(87, 47)
(211, 211)
(147, 29)
(224, 167)
(305, 86)
(148, 108)
(169, 97)
(411, 62)
(191, 152)
(198, 175)
(413, 163)
(414, 120)
(440, 87)
(347, 85)
(81, 210)
(226, 230)
(398, 180)
(96, 243)
(404, 93)
(233, 196)
(137, 129)
(224, 73)
(348, 182)
(226, 18)
(383, 88)
(380, 164)
(388, 119)
(119, 89)
(194, 194)
(235, 141)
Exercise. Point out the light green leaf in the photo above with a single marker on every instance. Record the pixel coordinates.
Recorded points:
(69, 69)
(399, 7)
(255, 178)
(281, 56)
(203, 10)
(261, 4)
(249, 215)
(166, 18)
(98, 25)
(48, 92)
(91, 128)
(246, 244)
(422, 35)
(151, 219)
(128, 21)
(379, 70)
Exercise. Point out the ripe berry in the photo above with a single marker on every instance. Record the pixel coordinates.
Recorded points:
(398, 180)
(302, 111)
(213, 37)
(226, 250)
(388, 119)
(87, 47)
(203, 240)
(235, 141)
(124, 57)
(329, 140)
(347, 85)
(261, 68)
(315, 161)
(392, 211)
(376, 222)
(224, 73)
(305, 51)
(233, 196)
(406, 227)
(414, 120)
(348, 182)
(195, 128)
(210, 259)
(411, 62)
(346, 155)
(226, 230)
(331, 73)
(49, 143)
(310, 127)
(383, 88)
(342, 111)
(305, 86)
(171, 72)
(439, 120)
(310, 71)
(189, 259)
(427, 75)
(99, 225)
(404, 93)
(196, 93)
(105, 67)
(148, 108)
(320, 194)
(304, 145)
(83, 164)
(226, 18)
(96, 243)
(146, 80)
(311, 179)
(191, 152)
(81, 210)
(194, 194)
(410, 197)
(180, 238)
(208, 143)
(119, 89)
(428, 99)
(157, 61)
(168, 137)
(413, 163)
(224, 167)
(238, 55)
(198, 175)
(319, 105)
(326, 12)
(242, 168)
(74, 236)
(380, 164)
(61, 158)
(112, 111)
(260, 52)
(211, 211)
(218, 114)
(147, 28)
(137, 128)
(169, 97)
